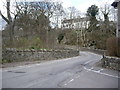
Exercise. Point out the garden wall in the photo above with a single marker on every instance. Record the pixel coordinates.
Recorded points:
(111, 62)
(24, 55)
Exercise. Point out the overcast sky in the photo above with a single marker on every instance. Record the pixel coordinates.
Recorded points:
(81, 5)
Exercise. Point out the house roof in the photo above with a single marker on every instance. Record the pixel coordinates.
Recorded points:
(115, 3)
(75, 20)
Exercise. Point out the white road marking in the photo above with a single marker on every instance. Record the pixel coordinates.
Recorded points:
(65, 84)
(101, 73)
(77, 76)
(71, 80)
(88, 62)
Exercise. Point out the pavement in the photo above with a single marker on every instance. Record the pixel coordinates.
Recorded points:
(75, 72)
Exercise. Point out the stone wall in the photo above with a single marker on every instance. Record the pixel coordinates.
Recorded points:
(111, 62)
(24, 55)
(97, 51)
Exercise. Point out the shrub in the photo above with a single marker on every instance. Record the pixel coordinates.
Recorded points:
(6, 61)
(113, 46)
(71, 37)
(25, 43)
(60, 37)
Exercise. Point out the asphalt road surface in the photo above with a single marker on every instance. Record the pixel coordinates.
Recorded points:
(76, 72)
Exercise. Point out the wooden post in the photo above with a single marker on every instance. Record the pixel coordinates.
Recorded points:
(116, 4)
(118, 24)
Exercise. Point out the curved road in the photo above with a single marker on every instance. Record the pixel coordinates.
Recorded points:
(76, 72)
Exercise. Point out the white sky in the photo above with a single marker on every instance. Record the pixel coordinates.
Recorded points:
(81, 5)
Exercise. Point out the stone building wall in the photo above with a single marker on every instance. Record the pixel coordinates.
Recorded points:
(24, 55)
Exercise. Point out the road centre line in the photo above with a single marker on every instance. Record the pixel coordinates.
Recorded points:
(69, 81)
(88, 61)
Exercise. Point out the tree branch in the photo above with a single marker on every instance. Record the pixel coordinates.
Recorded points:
(4, 18)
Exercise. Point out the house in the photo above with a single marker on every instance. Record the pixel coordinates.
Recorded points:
(75, 23)
(116, 5)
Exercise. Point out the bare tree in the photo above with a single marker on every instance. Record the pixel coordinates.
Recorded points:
(10, 22)
(106, 11)
(107, 25)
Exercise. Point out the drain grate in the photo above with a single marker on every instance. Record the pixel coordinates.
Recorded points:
(16, 71)
(19, 72)
(9, 71)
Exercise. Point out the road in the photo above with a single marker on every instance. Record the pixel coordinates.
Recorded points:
(76, 72)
